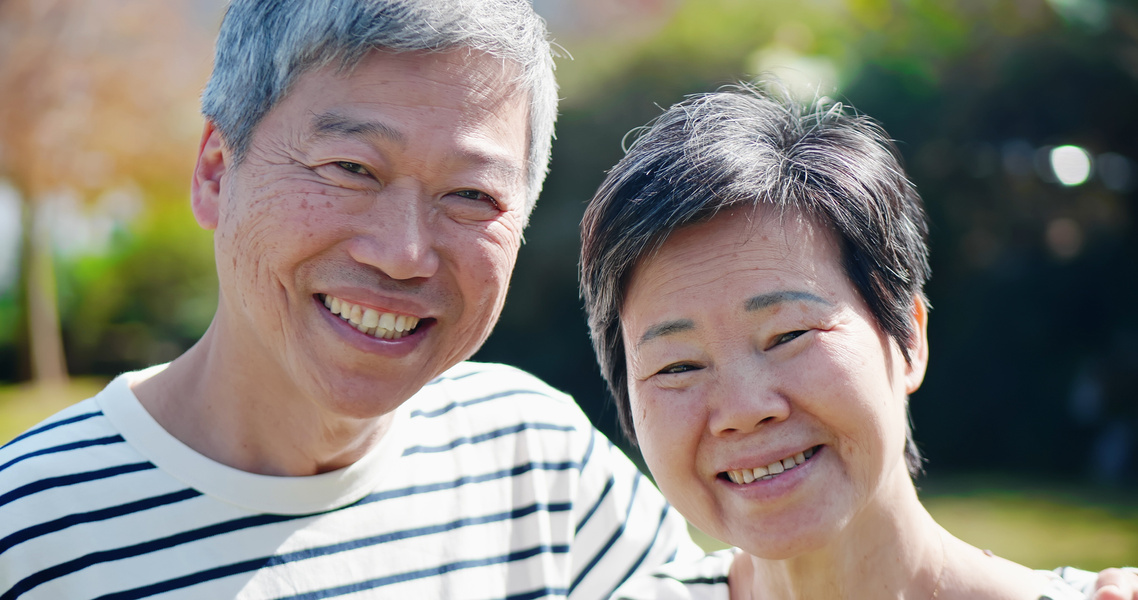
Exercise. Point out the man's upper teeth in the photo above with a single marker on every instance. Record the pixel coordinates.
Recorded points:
(370, 321)
(745, 476)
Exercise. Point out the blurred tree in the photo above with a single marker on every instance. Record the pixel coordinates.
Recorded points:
(96, 95)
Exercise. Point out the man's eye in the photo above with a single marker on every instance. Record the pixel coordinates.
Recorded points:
(352, 167)
(476, 195)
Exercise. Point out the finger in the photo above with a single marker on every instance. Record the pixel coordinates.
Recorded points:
(1116, 584)
(1113, 592)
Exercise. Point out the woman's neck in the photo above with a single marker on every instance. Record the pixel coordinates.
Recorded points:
(889, 549)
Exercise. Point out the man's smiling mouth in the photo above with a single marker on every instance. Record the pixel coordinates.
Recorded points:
(388, 326)
(745, 476)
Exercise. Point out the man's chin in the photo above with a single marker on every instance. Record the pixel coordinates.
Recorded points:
(368, 398)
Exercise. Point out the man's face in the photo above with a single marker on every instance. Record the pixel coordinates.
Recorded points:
(365, 244)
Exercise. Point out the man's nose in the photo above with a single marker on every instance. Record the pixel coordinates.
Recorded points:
(746, 396)
(397, 236)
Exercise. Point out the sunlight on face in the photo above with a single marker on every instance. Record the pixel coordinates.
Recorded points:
(366, 243)
(769, 405)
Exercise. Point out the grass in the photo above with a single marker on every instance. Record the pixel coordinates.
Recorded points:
(1037, 523)
(24, 405)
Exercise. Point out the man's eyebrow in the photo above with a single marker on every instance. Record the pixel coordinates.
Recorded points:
(498, 168)
(332, 124)
(771, 298)
(666, 328)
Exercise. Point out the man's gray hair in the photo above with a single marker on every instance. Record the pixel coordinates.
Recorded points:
(265, 45)
(746, 147)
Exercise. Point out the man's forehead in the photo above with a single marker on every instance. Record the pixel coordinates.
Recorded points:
(481, 72)
(476, 79)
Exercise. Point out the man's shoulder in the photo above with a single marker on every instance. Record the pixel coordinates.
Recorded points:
(66, 462)
(78, 444)
(498, 375)
(500, 406)
(493, 386)
(81, 424)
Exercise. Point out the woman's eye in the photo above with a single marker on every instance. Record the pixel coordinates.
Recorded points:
(352, 167)
(678, 368)
(476, 195)
(786, 337)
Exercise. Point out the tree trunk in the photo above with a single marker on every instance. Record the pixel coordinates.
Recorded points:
(45, 338)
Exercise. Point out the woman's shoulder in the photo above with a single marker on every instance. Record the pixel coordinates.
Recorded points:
(1067, 583)
(702, 579)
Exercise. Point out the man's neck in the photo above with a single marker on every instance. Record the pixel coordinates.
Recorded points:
(229, 408)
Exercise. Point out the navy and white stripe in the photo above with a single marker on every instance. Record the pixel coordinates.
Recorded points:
(701, 579)
(492, 485)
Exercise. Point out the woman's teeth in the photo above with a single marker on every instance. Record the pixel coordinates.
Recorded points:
(774, 469)
(388, 326)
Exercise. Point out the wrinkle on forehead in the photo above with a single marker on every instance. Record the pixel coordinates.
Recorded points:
(482, 81)
(772, 240)
(483, 78)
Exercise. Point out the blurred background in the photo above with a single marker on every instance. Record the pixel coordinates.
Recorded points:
(1016, 118)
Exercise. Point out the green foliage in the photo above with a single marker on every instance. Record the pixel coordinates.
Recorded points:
(146, 300)
(10, 315)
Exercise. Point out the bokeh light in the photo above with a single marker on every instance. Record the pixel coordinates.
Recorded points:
(1070, 164)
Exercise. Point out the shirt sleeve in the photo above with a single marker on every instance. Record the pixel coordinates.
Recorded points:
(1084, 581)
(702, 579)
(623, 525)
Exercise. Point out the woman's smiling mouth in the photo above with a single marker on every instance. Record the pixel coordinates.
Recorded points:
(745, 476)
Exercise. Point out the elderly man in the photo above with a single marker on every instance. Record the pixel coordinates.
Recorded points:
(367, 168)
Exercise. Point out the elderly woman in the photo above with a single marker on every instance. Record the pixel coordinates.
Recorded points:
(753, 272)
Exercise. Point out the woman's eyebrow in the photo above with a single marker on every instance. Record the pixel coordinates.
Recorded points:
(666, 328)
(771, 298)
(751, 304)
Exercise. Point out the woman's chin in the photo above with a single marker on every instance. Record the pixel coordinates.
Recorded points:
(783, 540)
(783, 548)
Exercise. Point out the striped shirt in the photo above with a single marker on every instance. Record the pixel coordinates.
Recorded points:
(489, 484)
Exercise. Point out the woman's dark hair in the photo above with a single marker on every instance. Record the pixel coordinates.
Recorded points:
(746, 146)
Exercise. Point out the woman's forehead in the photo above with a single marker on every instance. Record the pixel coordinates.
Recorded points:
(736, 248)
(761, 229)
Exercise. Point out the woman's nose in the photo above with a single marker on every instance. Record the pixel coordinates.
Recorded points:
(746, 396)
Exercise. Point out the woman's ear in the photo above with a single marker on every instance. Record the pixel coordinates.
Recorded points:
(919, 348)
(205, 188)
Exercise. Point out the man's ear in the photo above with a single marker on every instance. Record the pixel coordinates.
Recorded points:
(919, 348)
(205, 189)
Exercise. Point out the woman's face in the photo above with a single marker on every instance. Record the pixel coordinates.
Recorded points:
(769, 405)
